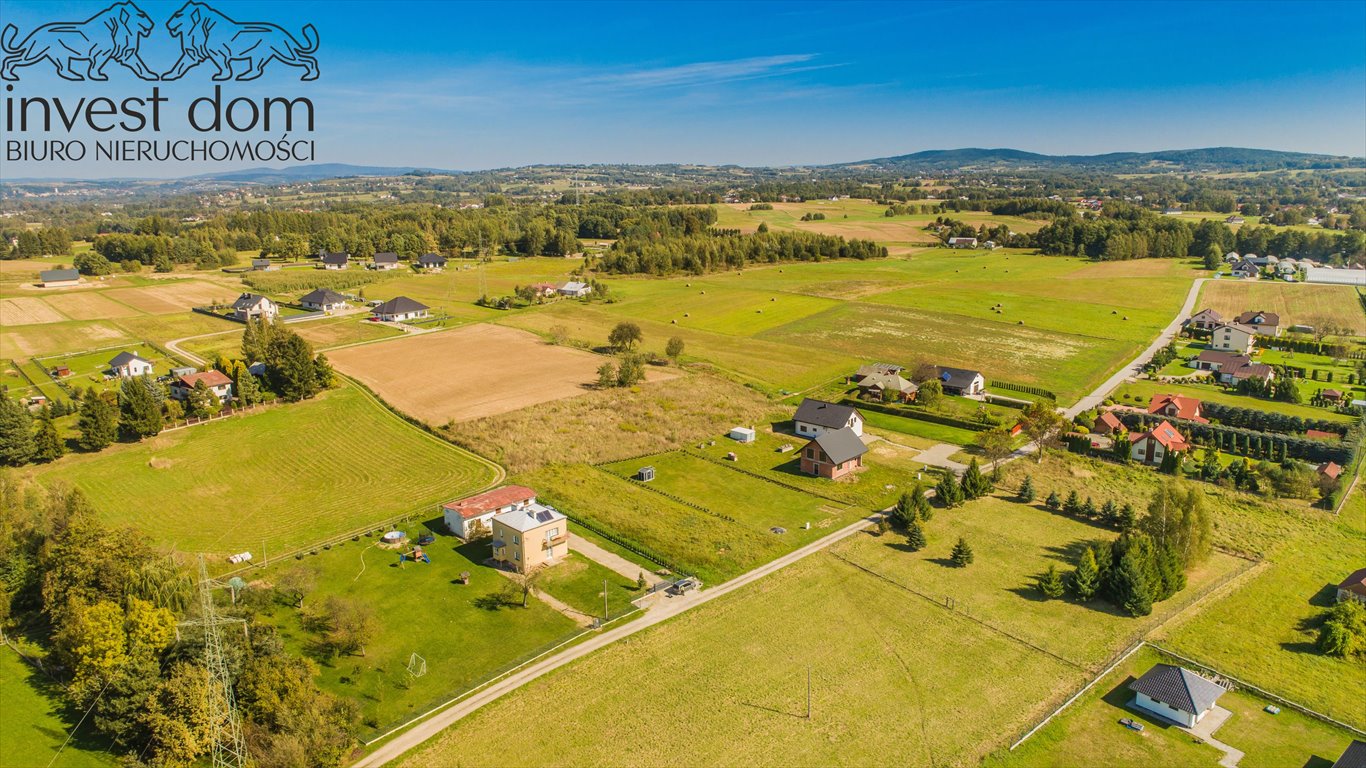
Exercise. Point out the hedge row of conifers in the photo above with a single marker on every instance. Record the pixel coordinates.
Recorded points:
(1249, 442)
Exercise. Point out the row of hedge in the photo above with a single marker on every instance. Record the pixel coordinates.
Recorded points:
(1025, 388)
(1339, 451)
(1266, 421)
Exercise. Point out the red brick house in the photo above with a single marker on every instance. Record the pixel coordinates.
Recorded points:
(833, 454)
(1176, 407)
(1108, 424)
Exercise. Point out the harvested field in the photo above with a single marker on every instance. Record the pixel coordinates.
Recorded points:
(175, 297)
(346, 330)
(471, 372)
(86, 305)
(1296, 303)
(54, 338)
(659, 417)
(28, 312)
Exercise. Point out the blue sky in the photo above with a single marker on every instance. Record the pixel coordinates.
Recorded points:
(468, 85)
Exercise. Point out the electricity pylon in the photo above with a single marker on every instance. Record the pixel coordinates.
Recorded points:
(229, 746)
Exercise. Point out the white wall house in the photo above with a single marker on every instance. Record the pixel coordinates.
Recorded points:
(1233, 337)
(129, 365)
(460, 516)
(816, 417)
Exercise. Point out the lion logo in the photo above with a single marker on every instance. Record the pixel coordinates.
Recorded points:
(113, 34)
(207, 35)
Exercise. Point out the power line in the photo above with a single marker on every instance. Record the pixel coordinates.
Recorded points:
(229, 746)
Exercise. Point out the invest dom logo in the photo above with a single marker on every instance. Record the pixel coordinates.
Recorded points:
(105, 54)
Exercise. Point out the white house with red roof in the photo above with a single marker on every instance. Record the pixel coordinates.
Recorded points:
(217, 382)
(461, 515)
(1152, 446)
(1176, 407)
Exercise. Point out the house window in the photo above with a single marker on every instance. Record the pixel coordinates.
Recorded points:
(810, 453)
(552, 533)
(516, 555)
(516, 539)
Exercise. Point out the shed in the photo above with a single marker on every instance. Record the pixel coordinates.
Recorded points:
(52, 278)
(742, 434)
(645, 474)
(184, 370)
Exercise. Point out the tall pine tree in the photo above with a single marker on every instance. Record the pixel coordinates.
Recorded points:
(140, 408)
(47, 444)
(16, 433)
(98, 423)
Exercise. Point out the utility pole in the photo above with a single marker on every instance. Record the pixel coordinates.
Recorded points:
(604, 600)
(229, 746)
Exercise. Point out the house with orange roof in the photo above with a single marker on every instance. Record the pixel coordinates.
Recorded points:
(1152, 446)
(1176, 407)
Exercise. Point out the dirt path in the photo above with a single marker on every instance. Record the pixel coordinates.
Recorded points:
(938, 456)
(175, 348)
(663, 611)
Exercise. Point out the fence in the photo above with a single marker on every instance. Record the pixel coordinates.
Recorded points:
(223, 414)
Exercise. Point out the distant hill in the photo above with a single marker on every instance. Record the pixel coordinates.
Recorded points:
(1208, 159)
(311, 173)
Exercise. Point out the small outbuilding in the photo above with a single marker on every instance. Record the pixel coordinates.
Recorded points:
(645, 474)
(1353, 587)
(742, 434)
(1176, 694)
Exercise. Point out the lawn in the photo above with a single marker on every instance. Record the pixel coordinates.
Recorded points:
(696, 542)
(579, 582)
(279, 479)
(1277, 615)
(90, 369)
(1296, 303)
(1014, 544)
(888, 469)
(894, 680)
(36, 724)
(755, 504)
(461, 630)
(1140, 393)
(927, 430)
(1089, 733)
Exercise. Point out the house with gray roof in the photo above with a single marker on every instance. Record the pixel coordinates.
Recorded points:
(1176, 694)
(252, 306)
(56, 278)
(1204, 320)
(399, 309)
(887, 386)
(575, 289)
(431, 262)
(129, 365)
(816, 417)
(384, 261)
(323, 300)
(961, 381)
(833, 454)
(872, 368)
(335, 260)
(1352, 757)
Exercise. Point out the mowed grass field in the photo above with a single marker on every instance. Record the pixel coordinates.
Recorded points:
(895, 680)
(1296, 303)
(1062, 323)
(280, 478)
(34, 729)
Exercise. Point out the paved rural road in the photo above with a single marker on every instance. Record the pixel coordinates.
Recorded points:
(660, 612)
(1135, 366)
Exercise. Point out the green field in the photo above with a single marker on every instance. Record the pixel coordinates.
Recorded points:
(1089, 733)
(35, 725)
(1063, 324)
(699, 543)
(579, 582)
(725, 684)
(1140, 393)
(1276, 616)
(280, 478)
(421, 608)
(888, 469)
(754, 504)
(901, 426)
